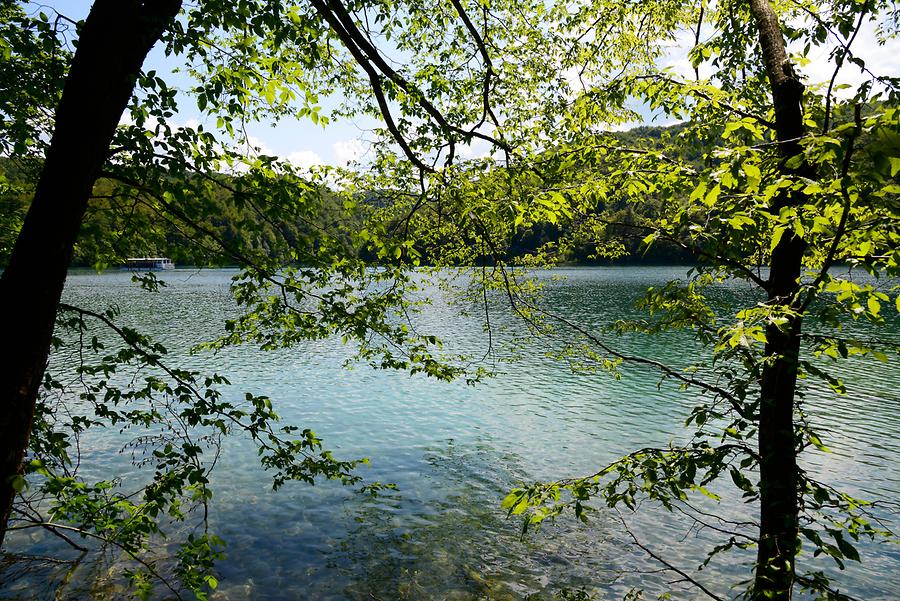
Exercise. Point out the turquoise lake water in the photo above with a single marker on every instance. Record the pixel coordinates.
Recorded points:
(454, 451)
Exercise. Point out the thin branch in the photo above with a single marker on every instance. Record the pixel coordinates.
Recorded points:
(735, 403)
(845, 213)
(697, 38)
(488, 65)
(839, 63)
(668, 565)
(694, 90)
(131, 553)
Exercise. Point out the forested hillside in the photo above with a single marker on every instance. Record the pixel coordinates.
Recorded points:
(123, 222)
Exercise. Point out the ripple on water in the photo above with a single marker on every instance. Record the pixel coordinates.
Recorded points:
(454, 451)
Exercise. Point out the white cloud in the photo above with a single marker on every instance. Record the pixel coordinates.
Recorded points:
(624, 126)
(572, 76)
(255, 146)
(676, 58)
(477, 149)
(251, 147)
(681, 66)
(348, 151)
(304, 159)
(880, 59)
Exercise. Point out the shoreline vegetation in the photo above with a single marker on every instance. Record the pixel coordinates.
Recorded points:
(162, 239)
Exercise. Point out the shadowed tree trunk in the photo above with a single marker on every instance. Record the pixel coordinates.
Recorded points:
(779, 478)
(112, 46)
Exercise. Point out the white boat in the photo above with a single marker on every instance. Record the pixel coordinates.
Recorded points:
(148, 263)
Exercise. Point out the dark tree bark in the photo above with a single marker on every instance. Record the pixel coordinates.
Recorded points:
(779, 477)
(114, 41)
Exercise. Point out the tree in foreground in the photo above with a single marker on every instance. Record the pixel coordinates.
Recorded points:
(786, 186)
(768, 182)
(82, 179)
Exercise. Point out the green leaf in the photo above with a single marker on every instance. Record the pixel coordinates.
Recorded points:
(848, 550)
(873, 305)
(18, 483)
(776, 237)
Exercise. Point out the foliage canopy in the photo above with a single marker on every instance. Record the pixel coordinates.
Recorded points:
(539, 86)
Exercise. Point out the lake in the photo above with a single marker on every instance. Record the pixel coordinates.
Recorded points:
(454, 451)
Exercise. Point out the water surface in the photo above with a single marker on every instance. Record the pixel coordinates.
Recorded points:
(454, 451)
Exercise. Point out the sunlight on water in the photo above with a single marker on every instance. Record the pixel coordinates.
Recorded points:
(454, 451)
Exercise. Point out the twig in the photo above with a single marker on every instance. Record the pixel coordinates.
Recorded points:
(668, 565)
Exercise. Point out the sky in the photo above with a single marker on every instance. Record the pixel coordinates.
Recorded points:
(343, 141)
(299, 141)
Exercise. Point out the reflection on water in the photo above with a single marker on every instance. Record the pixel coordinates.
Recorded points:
(454, 451)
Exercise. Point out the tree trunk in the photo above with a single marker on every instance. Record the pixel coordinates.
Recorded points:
(779, 478)
(114, 41)
(779, 494)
